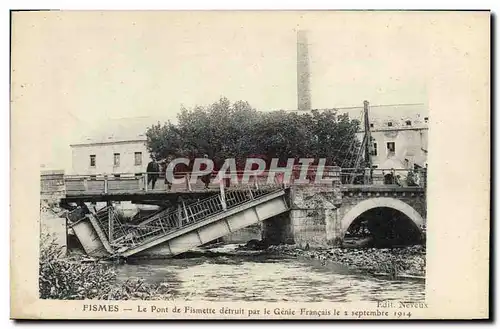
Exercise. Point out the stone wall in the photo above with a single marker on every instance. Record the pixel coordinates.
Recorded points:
(314, 216)
(53, 223)
(52, 187)
(53, 228)
(252, 232)
(416, 200)
(312, 220)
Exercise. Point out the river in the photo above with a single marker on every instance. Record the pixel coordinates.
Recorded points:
(258, 277)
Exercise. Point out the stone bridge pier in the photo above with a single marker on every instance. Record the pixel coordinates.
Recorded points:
(321, 216)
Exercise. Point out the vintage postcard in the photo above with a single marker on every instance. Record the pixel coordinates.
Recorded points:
(250, 165)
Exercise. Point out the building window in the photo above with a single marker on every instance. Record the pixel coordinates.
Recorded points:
(116, 160)
(389, 124)
(92, 160)
(408, 122)
(138, 158)
(371, 125)
(426, 119)
(374, 151)
(391, 147)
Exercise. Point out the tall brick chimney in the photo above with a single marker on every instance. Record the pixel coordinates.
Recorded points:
(303, 73)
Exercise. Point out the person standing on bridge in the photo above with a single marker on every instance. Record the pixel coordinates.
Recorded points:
(205, 178)
(368, 175)
(166, 162)
(411, 178)
(153, 171)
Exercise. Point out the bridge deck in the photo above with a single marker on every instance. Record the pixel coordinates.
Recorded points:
(135, 187)
(137, 195)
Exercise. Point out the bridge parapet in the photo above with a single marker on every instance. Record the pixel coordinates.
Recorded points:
(381, 191)
(138, 183)
(123, 185)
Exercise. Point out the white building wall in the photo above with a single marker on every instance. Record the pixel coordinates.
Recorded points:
(410, 144)
(104, 153)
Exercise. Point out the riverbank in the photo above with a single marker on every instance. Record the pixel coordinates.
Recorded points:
(77, 277)
(406, 262)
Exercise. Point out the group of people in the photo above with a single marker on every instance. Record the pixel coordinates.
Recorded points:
(158, 168)
(413, 178)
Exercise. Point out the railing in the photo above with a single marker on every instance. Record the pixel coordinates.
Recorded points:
(379, 176)
(117, 183)
(107, 216)
(100, 184)
(170, 220)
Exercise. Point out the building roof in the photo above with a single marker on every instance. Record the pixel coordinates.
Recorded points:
(392, 117)
(119, 130)
(379, 115)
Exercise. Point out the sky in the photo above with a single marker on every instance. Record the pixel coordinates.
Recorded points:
(85, 69)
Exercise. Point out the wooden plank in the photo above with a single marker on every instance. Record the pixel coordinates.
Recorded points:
(126, 185)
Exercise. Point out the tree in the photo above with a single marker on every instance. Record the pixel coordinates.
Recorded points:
(236, 130)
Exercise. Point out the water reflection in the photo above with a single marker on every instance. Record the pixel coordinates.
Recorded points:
(263, 278)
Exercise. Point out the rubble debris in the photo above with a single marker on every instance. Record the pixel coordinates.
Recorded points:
(392, 262)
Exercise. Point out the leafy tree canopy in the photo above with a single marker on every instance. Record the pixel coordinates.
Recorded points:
(236, 130)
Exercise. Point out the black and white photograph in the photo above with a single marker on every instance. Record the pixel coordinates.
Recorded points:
(192, 158)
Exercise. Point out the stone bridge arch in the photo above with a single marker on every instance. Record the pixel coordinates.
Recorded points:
(380, 202)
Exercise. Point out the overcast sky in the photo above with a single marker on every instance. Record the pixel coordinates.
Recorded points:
(90, 67)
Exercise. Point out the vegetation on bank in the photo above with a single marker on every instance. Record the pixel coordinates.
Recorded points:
(70, 278)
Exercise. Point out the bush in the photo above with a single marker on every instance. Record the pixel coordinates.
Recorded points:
(64, 278)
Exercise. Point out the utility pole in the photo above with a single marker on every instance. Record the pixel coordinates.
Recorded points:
(368, 136)
(366, 145)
